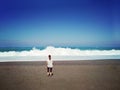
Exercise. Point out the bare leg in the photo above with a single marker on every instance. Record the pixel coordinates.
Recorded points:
(48, 71)
(51, 73)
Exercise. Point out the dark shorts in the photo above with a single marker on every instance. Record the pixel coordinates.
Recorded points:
(49, 69)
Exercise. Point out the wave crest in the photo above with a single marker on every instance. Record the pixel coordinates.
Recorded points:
(60, 52)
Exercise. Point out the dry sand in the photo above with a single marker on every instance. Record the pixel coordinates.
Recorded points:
(72, 75)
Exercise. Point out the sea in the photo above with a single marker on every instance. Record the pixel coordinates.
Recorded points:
(14, 54)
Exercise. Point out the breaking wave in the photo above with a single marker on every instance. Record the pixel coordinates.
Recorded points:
(60, 53)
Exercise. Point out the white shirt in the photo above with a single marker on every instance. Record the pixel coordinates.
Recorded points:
(49, 63)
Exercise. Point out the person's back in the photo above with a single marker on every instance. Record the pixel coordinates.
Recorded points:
(49, 63)
(49, 66)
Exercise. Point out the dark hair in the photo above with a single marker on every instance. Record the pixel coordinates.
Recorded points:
(49, 55)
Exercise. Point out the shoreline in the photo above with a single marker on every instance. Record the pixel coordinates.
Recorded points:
(69, 62)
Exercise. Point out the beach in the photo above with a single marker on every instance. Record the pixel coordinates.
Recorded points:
(68, 75)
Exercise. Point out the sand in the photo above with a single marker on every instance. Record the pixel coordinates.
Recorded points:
(68, 75)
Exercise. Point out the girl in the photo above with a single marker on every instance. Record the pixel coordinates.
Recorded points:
(49, 66)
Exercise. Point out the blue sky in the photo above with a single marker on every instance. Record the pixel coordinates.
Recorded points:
(60, 23)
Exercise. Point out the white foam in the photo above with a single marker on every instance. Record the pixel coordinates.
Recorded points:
(60, 54)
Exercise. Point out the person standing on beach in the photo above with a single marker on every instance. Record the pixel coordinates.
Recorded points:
(49, 66)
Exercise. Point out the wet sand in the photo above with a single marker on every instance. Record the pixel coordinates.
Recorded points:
(68, 75)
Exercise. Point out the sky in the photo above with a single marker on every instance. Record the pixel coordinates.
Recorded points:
(93, 23)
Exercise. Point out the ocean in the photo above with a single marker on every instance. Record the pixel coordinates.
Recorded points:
(10, 54)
